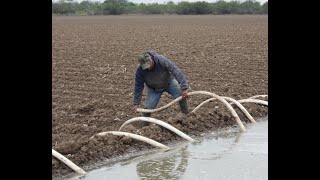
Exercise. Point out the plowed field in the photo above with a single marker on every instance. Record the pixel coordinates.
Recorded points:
(93, 66)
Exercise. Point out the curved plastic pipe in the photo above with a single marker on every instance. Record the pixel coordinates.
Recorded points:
(68, 162)
(256, 96)
(161, 123)
(233, 112)
(134, 136)
(244, 110)
(201, 104)
(258, 101)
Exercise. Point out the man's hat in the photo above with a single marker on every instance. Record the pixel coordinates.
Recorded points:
(144, 60)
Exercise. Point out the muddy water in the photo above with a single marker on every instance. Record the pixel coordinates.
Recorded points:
(226, 154)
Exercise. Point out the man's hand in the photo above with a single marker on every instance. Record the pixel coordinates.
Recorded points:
(135, 107)
(184, 94)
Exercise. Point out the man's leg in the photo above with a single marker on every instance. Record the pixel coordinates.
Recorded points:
(152, 101)
(175, 91)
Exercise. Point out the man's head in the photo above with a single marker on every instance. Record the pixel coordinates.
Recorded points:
(144, 60)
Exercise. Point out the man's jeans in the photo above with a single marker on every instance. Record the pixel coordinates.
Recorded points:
(153, 97)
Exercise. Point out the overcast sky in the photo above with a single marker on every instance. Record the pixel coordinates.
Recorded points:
(164, 1)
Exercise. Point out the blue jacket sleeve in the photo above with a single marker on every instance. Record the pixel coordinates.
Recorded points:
(138, 87)
(175, 71)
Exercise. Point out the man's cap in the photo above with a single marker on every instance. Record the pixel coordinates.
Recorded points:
(144, 60)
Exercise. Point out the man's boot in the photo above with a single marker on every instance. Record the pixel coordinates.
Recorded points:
(184, 106)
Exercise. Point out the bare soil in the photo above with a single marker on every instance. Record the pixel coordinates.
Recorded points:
(93, 66)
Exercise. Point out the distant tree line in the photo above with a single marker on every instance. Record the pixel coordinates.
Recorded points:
(118, 7)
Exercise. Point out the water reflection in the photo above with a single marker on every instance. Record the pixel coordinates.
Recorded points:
(238, 137)
(220, 151)
(171, 167)
(174, 164)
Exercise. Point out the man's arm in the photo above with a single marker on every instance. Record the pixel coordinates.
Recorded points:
(138, 87)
